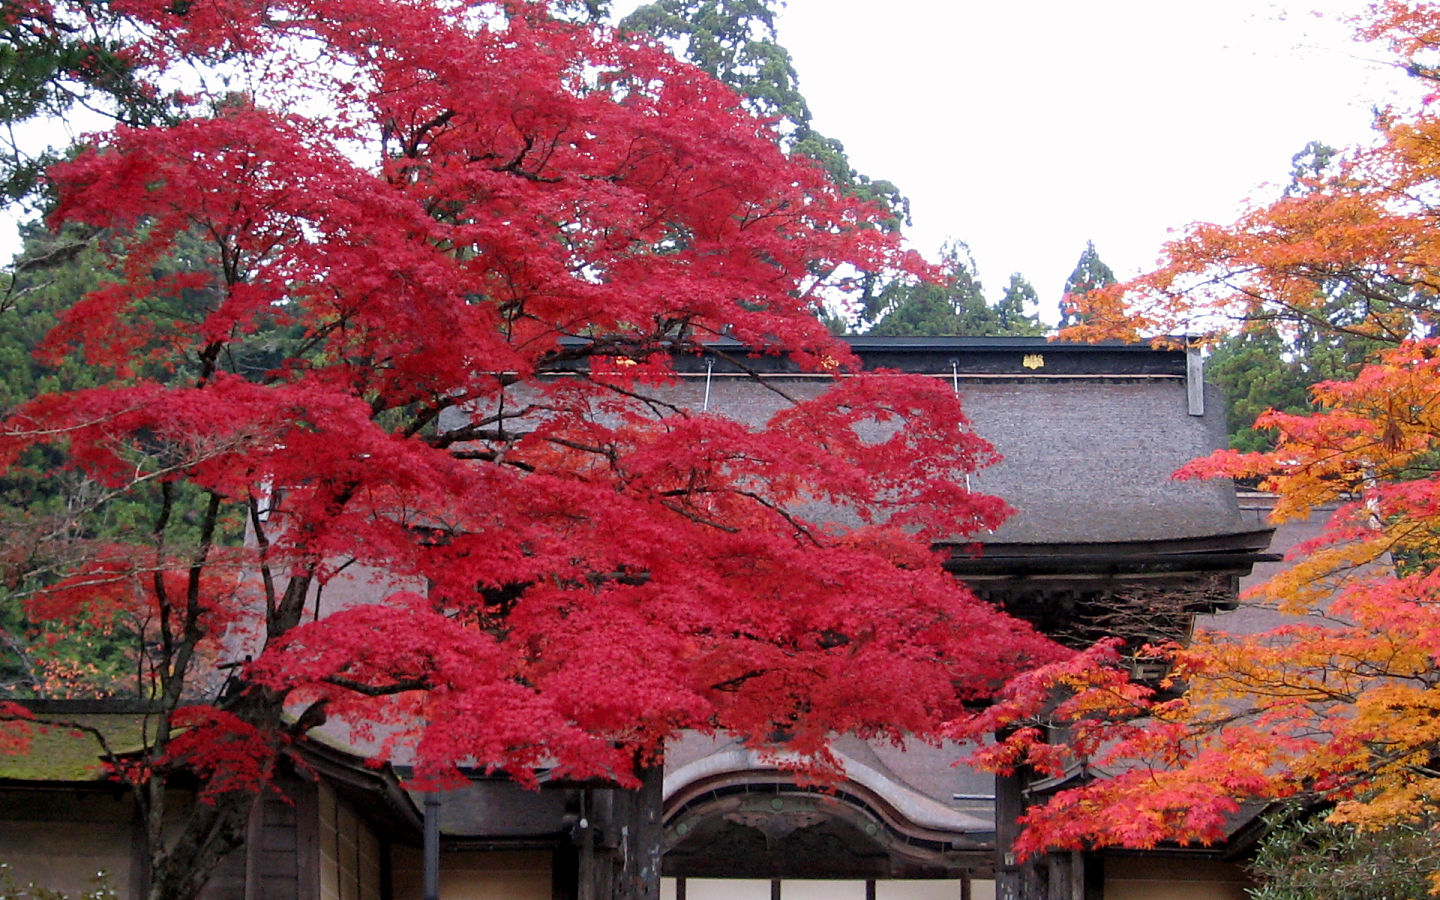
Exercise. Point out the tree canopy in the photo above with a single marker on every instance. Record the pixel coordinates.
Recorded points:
(400, 291)
(953, 305)
(1336, 707)
(1090, 274)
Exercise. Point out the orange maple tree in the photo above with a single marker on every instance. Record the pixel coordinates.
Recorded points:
(1341, 703)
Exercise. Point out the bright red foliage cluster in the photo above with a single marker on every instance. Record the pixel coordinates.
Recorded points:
(451, 252)
(14, 728)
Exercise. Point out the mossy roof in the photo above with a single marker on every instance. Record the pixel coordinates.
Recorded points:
(58, 751)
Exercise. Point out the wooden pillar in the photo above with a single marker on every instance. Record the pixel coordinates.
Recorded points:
(1045, 877)
(1071, 875)
(430, 846)
(1009, 805)
(641, 836)
(1062, 876)
(621, 849)
(593, 877)
(1035, 879)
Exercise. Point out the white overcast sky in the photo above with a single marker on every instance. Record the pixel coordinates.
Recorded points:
(1026, 128)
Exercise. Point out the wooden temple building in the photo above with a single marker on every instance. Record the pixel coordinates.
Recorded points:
(1103, 541)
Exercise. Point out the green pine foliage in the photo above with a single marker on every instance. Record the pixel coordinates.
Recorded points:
(50, 516)
(1090, 273)
(1260, 369)
(49, 67)
(1253, 371)
(1306, 858)
(1017, 311)
(956, 306)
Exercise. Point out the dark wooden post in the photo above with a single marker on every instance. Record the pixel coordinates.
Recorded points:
(1062, 872)
(641, 837)
(430, 846)
(1051, 876)
(1009, 806)
(621, 841)
(1033, 879)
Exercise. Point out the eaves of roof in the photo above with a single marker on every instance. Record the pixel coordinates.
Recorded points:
(1235, 552)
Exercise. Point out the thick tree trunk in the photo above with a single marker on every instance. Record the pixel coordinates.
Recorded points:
(209, 834)
(183, 859)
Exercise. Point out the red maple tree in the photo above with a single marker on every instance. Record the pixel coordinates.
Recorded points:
(453, 253)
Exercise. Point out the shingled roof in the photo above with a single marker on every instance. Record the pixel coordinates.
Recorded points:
(1090, 434)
